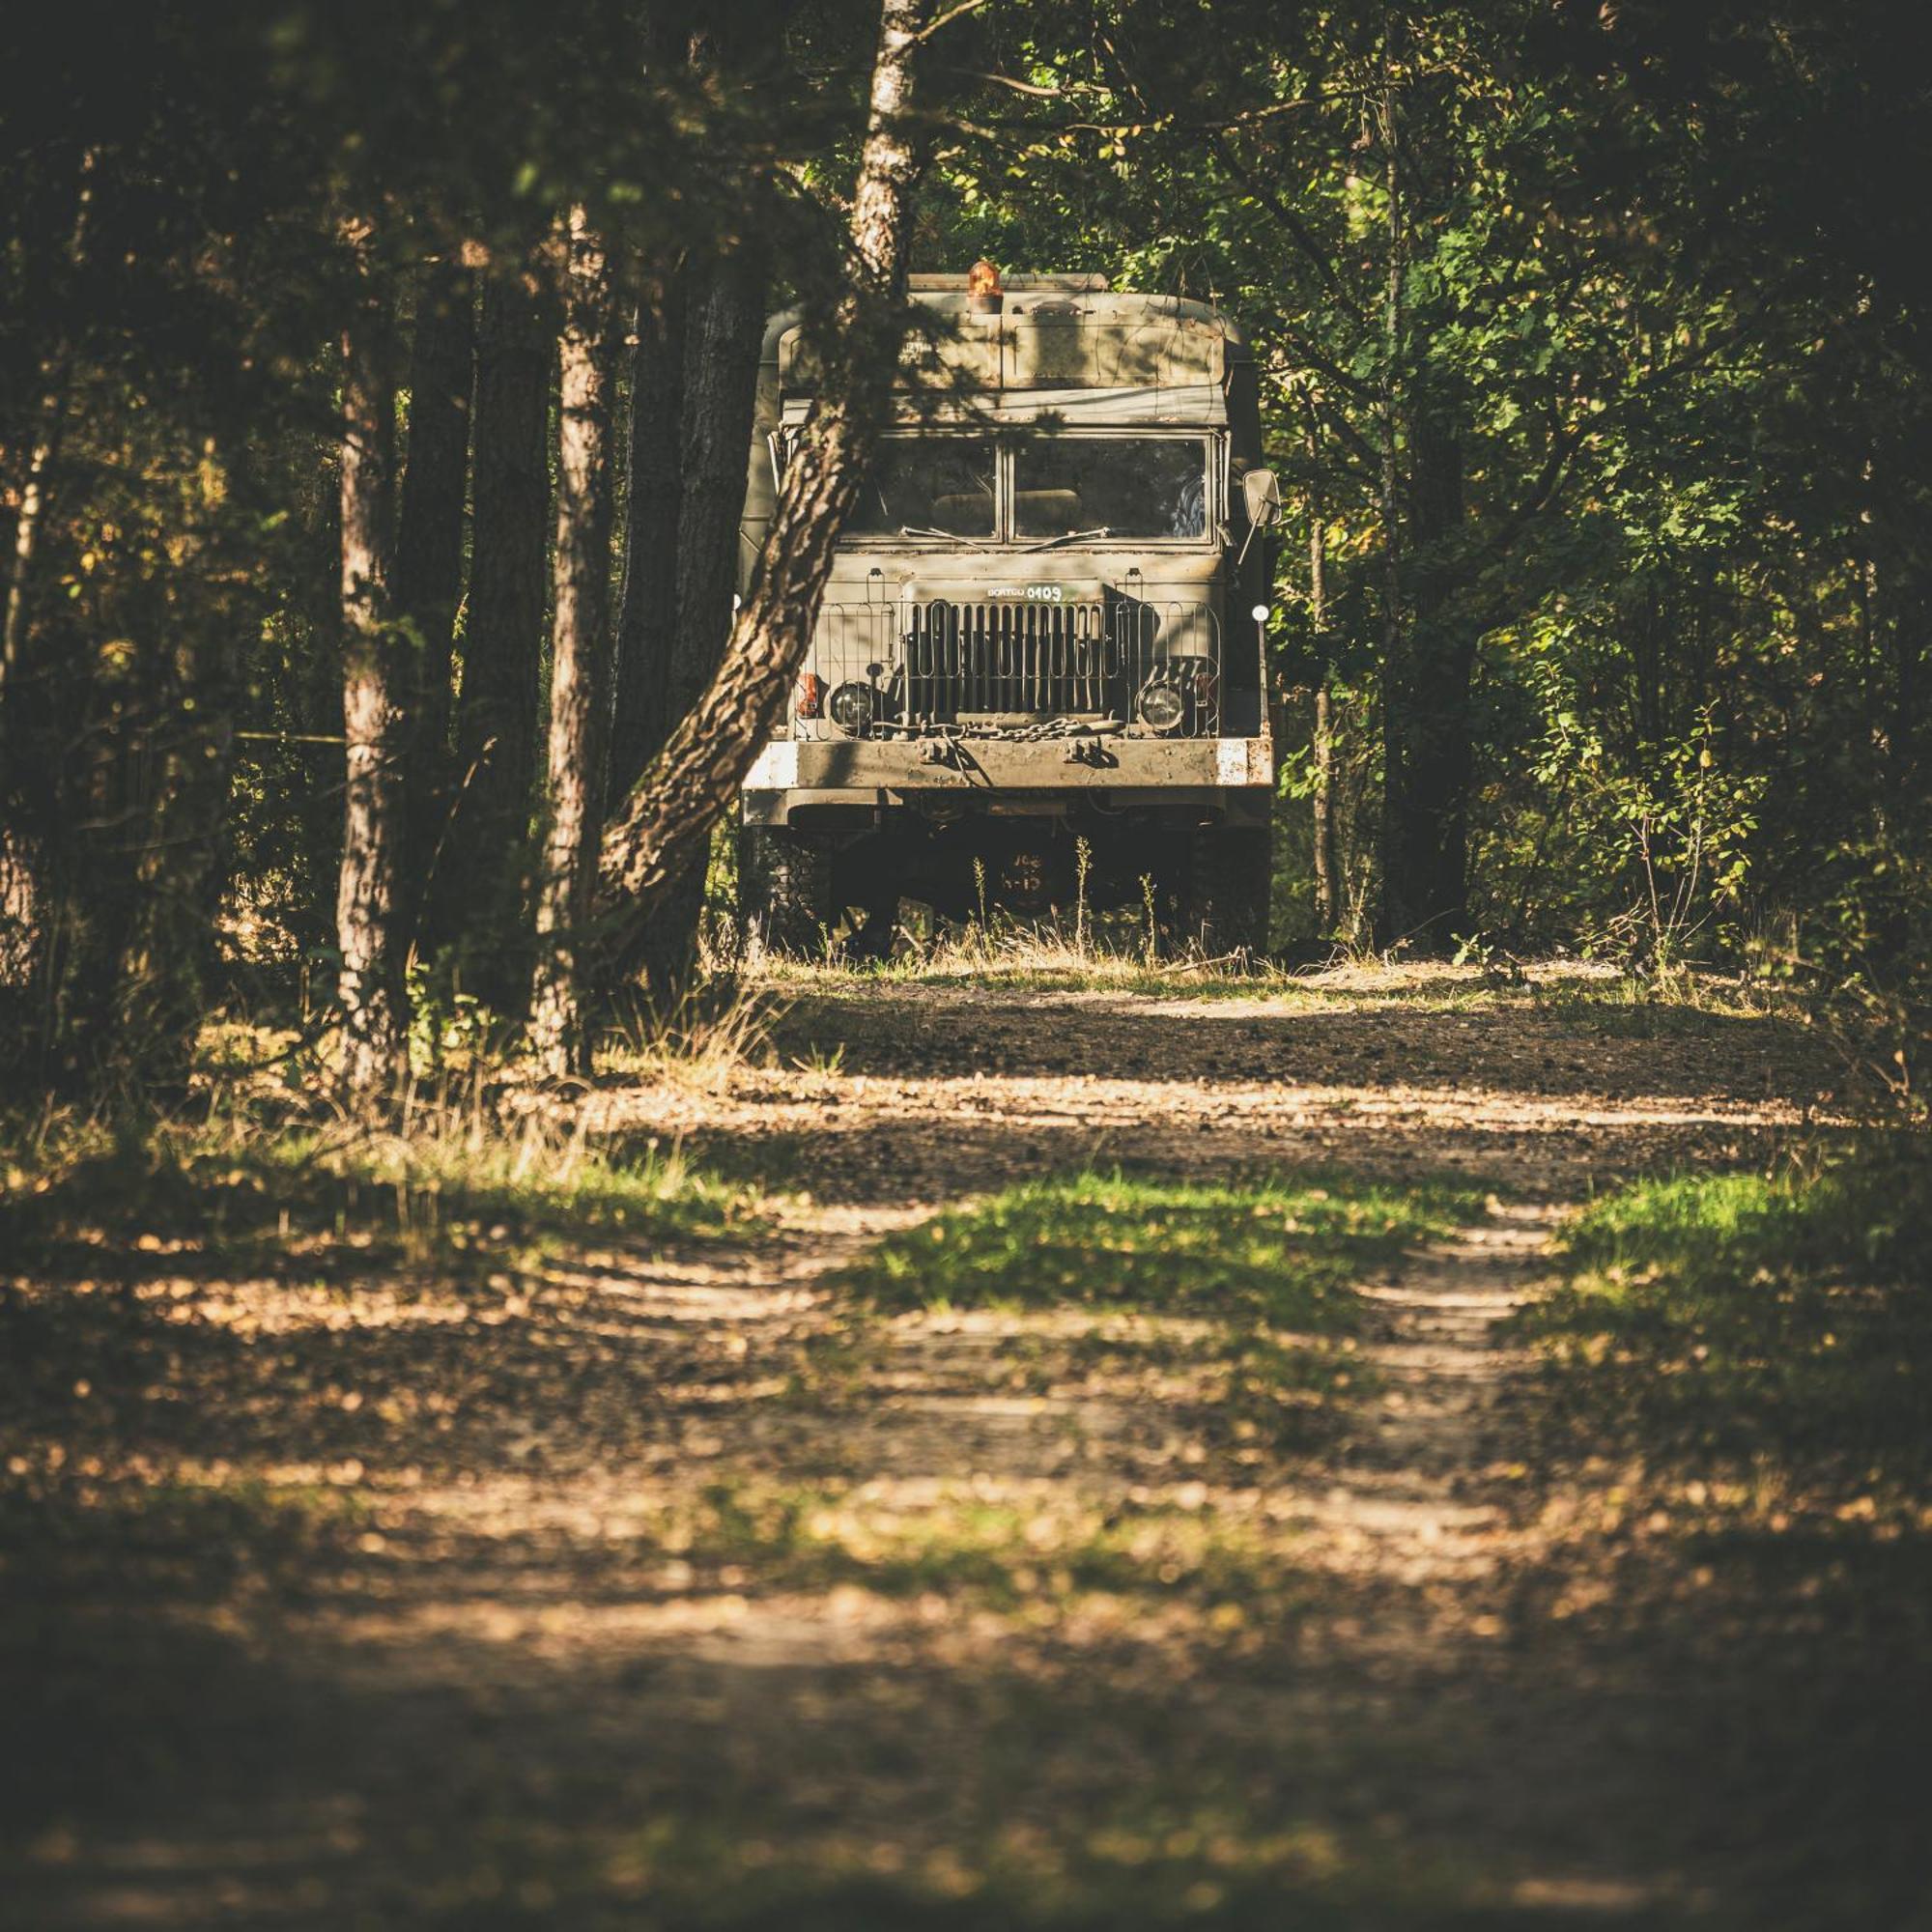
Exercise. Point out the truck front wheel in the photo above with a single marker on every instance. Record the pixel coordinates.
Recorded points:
(784, 890)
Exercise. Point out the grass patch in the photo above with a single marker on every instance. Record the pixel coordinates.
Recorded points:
(1772, 1321)
(240, 1193)
(1276, 1253)
(1226, 1312)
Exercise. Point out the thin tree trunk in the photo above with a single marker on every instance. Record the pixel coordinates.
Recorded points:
(1326, 902)
(1426, 868)
(43, 452)
(477, 896)
(428, 581)
(1394, 916)
(27, 520)
(668, 820)
(642, 717)
(579, 651)
(370, 989)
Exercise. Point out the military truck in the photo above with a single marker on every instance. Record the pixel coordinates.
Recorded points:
(1038, 673)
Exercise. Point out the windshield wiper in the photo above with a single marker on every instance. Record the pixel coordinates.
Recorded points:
(952, 536)
(1069, 536)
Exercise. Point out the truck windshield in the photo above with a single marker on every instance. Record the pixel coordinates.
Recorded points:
(928, 483)
(1130, 486)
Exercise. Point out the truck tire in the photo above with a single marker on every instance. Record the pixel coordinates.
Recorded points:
(1229, 874)
(785, 892)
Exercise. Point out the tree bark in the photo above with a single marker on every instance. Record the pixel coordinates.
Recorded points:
(724, 323)
(580, 652)
(641, 717)
(1394, 918)
(668, 820)
(1322, 746)
(478, 893)
(1425, 865)
(370, 990)
(428, 581)
(43, 452)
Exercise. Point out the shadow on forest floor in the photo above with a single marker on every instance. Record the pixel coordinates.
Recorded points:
(997, 1540)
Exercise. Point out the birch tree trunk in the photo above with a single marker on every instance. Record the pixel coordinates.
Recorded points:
(579, 657)
(370, 989)
(668, 820)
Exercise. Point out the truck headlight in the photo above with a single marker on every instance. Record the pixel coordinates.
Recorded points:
(853, 707)
(1161, 706)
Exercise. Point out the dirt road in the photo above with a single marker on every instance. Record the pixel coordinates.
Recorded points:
(724, 1581)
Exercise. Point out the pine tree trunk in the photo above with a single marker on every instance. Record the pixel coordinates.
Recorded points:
(641, 717)
(666, 821)
(579, 651)
(428, 581)
(478, 894)
(370, 989)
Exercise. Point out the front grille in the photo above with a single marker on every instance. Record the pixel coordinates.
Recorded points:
(938, 663)
(1009, 659)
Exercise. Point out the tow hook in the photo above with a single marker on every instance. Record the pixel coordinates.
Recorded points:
(1091, 752)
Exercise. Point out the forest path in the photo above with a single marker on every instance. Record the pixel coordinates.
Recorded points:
(704, 1583)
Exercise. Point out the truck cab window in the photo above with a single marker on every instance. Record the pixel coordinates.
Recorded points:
(928, 483)
(1130, 486)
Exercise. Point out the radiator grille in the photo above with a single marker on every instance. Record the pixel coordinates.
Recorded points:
(1009, 659)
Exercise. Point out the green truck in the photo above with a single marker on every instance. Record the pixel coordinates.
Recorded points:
(1039, 669)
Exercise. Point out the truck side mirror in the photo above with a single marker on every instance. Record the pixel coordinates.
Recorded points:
(1261, 492)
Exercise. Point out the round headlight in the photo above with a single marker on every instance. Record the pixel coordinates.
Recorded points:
(853, 707)
(1162, 706)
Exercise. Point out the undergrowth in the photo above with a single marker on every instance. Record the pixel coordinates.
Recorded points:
(243, 1186)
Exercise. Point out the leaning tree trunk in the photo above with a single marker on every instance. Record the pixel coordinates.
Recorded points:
(668, 820)
(428, 581)
(370, 988)
(580, 652)
(724, 324)
(477, 894)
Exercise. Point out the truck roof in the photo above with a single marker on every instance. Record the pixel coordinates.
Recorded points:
(1063, 337)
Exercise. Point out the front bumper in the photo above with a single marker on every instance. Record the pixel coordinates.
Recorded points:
(1110, 764)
